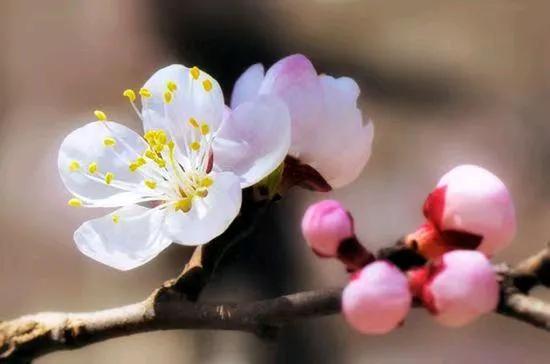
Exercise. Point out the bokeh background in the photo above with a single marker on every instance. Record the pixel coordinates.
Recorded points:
(445, 82)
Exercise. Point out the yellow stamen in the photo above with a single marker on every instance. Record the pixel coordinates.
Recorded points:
(172, 86)
(109, 177)
(109, 141)
(130, 94)
(195, 72)
(100, 115)
(168, 97)
(194, 123)
(115, 218)
(205, 129)
(74, 166)
(74, 202)
(150, 183)
(183, 205)
(202, 192)
(161, 137)
(207, 182)
(140, 161)
(145, 92)
(157, 140)
(92, 167)
(195, 146)
(207, 84)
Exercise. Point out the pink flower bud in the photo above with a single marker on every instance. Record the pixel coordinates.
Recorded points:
(470, 208)
(458, 288)
(325, 225)
(377, 300)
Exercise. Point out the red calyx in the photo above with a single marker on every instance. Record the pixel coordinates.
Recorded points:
(435, 205)
(427, 297)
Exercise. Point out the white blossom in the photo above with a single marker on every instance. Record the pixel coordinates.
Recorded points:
(181, 182)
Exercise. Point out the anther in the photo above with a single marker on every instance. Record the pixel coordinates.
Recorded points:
(193, 122)
(130, 94)
(74, 202)
(74, 166)
(115, 218)
(140, 161)
(195, 72)
(171, 86)
(207, 84)
(168, 97)
(92, 167)
(109, 177)
(150, 183)
(195, 146)
(109, 141)
(205, 129)
(100, 115)
(202, 192)
(145, 92)
(207, 182)
(183, 205)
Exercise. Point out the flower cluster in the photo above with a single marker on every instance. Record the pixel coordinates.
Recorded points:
(181, 180)
(469, 216)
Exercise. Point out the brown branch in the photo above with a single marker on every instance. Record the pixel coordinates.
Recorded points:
(527, 309)
(169, 308)
(31, 336)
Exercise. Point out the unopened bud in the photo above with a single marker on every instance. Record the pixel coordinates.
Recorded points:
(458, 288)
(470, 208)
(377, 299)
(325, 225)
(328, 230)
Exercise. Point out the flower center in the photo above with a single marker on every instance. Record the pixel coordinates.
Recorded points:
(173, 175)
(187, 175)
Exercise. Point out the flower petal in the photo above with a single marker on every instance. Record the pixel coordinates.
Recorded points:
(86, 145)
(247, 86)
(349, 137)
(340, 145)
(208, 217)
(125, 239)
(295, 81)
(194, 94)
(254, 140)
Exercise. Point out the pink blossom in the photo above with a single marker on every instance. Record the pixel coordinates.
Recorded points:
(470, 208)
(325, 225)
(377, 300)
(328, 133)
(459, 287)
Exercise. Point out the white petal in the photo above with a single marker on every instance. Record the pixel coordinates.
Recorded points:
(295, 81)
(133, 240)
(210, 216)
(190, 99)
(247, 85)
(254, 140)
(340, 146)
(84, 146)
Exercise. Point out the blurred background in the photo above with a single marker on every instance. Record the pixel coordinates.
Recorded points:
(445, 82)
